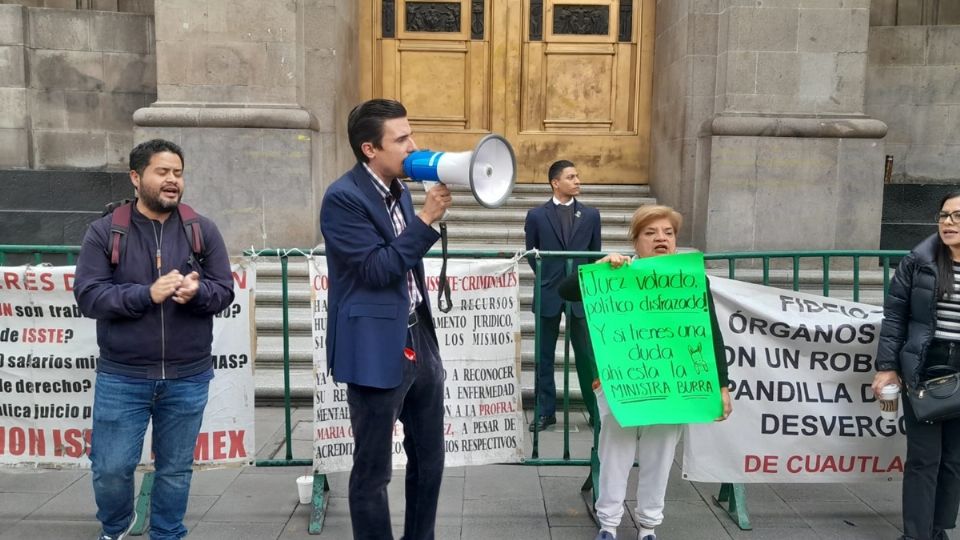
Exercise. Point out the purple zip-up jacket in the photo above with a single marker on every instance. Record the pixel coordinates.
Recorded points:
(138, 338)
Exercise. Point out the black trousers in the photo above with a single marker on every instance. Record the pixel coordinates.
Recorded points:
(585, 364)
(418, 403)
(931, 476)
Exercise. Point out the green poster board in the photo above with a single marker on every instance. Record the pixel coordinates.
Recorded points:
(650, 327)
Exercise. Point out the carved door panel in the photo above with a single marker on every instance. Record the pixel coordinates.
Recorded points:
(434, 57)
(561, 79)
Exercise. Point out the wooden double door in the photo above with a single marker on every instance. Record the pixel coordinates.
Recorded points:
(560, 79)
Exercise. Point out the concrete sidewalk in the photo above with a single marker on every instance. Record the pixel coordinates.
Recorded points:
(488, 502)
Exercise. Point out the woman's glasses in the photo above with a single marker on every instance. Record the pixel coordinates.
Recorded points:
(954, 216)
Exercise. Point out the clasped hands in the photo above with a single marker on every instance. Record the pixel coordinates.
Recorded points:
(174, 284)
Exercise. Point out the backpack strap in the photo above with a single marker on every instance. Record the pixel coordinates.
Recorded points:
(119, 225)
(191, 225)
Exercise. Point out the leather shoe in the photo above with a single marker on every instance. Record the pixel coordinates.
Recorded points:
(543, 423)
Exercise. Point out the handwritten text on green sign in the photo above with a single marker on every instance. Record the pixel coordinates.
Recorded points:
(650, 327)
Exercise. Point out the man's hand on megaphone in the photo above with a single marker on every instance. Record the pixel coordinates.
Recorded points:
(437, 201)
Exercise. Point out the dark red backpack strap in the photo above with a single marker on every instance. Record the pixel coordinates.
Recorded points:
(119, 225)
(191, 225)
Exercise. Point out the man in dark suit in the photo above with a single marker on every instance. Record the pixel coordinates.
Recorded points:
(562, 224)
(380, 336)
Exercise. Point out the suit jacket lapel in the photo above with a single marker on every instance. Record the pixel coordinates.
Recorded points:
(364, 182)
(554, 219)
(406, 205)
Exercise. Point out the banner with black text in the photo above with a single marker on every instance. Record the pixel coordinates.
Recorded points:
(480, 349)
(48, 360)
(800, 369)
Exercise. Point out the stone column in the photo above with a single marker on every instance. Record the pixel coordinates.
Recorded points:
(785, 159)
(250, 89)
(685, 68)
(14, 116)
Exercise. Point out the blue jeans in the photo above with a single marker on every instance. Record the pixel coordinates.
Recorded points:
(121, 410)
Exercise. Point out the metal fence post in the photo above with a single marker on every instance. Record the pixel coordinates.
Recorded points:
(736, 496)
(142, 507)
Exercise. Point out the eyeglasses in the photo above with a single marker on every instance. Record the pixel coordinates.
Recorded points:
(954, 216)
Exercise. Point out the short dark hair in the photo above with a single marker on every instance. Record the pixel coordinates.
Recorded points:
(142, 153)
(365, 123)
(557, 168)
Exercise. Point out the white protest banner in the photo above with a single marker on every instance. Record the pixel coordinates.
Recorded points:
(480, 348)
(48, 358)
(800, 369)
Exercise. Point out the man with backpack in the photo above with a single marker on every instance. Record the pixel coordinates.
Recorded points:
(153, 273)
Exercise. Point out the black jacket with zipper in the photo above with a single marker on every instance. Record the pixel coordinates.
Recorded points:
(138, 338)
(909, 312)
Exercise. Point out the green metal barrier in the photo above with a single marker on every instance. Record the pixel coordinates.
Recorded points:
(733, 494)
(38, 252)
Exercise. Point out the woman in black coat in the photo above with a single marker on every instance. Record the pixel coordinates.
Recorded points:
(921, 328)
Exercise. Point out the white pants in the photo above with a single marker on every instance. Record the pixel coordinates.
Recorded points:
(619, 447)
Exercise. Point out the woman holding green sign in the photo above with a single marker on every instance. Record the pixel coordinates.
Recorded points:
(653, 231)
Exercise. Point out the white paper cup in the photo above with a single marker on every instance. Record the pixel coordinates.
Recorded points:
(889, 401)
(305, 488)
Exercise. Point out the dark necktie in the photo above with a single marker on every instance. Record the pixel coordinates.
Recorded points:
(566, 220)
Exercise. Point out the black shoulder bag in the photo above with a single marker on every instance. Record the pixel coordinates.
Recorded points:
(937, 397)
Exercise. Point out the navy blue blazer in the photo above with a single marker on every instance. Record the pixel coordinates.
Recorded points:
(368, 300)
(542, 230)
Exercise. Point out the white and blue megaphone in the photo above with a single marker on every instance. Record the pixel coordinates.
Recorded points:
(490, 170)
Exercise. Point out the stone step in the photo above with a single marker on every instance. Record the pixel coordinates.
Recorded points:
(513, 218)
(543, 188)
(522, 203)
(504, 235)
(610, 199)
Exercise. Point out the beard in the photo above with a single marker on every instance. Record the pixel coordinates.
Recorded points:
(153, 201)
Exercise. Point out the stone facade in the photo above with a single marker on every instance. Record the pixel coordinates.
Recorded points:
(127, 6)
(913, 83)
(55, 207)
(914, 12)
(253, 91)
(71, 81)
(771, 101)
(762, 111)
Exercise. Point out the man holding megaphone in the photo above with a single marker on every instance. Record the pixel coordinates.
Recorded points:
(380, 336)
